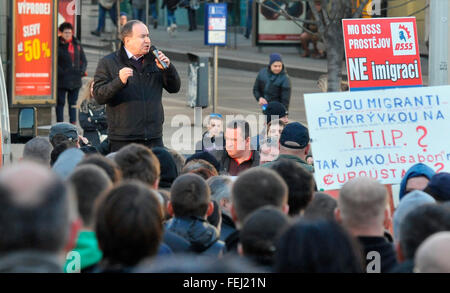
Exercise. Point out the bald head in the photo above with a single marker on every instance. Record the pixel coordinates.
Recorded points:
(26, 180)
(433, 255)
(35, 210)
(362, 202)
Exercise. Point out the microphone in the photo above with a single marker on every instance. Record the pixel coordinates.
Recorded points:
(155, 53)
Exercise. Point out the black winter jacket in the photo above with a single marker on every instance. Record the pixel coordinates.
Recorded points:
(224, 160)
(134, 110)
(171, 4)
(69, 74)
(203, 237)
(273, 87)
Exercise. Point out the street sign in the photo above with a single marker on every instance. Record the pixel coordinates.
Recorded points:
(216, 24)
(34, 60)
(379, 134)
(382, 53)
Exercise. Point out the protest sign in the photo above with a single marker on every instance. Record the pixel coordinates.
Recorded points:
(379, 134)
(33, 51)
(382, 53)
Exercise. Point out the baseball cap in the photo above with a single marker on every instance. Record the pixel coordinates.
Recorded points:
(275, 108)
(67, 129)
(439, 186)
(296, 133)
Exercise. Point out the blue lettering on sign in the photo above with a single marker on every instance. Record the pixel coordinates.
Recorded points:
(323, 164)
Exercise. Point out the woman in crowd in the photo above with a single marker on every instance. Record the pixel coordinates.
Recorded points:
(72, 66)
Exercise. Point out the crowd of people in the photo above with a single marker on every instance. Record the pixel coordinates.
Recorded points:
(67, 208)
(243, 202)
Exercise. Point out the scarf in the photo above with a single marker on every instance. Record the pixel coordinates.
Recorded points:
(71, 50)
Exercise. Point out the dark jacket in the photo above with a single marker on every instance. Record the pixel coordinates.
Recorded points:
(30, 261)
(176, 243)
(70, 73)
(98, 125)
(302, 163)
(203, 237)
(388, 259)
(228, 227)
(171, 4)
(231, 243)
(134, 109)
(406, 267)
(224, 160)
(273, 87)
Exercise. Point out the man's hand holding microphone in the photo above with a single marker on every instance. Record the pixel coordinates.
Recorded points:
(161, 60)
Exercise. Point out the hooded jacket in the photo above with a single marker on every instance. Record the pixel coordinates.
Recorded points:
(415, 171)
(273, 87)
(134, 110)
(203, 237)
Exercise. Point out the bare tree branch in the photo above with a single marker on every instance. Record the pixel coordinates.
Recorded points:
(400, 5)
(326, 17)
(322, 26)
(359, 10)
(420, 10)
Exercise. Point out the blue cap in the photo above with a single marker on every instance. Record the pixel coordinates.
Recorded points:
(294, 136)
(274, 57)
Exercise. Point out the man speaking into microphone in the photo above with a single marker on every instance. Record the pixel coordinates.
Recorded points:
(130, 83)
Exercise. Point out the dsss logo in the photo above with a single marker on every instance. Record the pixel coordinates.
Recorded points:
(403, 38)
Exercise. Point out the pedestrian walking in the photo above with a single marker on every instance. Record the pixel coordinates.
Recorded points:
(154, 13)
(105, 6)
(171, 20)
(72, 66)
(191, 6)
(138, 9)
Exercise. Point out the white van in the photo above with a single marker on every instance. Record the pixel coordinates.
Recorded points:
(5, 135)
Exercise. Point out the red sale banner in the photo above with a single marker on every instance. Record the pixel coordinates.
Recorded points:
(33, 50)
(382, 53)
(67, 12)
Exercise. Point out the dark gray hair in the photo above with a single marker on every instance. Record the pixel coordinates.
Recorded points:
(220, 187)
(38, 150)
(127, 29)
(241, 124)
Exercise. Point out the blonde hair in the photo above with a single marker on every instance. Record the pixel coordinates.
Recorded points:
(85, 92)
(362, 202)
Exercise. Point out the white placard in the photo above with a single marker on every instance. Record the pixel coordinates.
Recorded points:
(380, 133)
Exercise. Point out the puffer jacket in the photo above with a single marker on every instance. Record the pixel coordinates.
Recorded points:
(273, 87)
(203, 237)
(134, 110)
